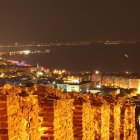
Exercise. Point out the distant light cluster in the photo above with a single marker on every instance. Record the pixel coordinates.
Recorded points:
(27, 52)
(22, 63)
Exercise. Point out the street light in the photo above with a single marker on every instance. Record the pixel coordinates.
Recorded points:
(96, 72)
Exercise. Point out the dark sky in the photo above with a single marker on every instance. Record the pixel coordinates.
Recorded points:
(69, 20)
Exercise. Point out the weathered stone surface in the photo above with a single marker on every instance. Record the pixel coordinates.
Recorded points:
(39, 113)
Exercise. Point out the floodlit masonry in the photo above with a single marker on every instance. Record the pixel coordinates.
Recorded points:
(39, 113)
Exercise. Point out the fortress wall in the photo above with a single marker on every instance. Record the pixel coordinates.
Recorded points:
(88, 121)
(3, 118)
(22, 117)
(63, 120)
(45, 115)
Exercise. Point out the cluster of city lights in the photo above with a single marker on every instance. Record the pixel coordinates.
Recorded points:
(22, 63)
(72, 79)
(59, 71)
(27, 52)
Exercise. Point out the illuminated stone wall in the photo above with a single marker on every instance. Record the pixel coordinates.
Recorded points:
(40, 113)
(22, 117)
(3, 118)
(115, 122)
(18, 115)
(63, 120)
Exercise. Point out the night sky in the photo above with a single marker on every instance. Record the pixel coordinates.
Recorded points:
(69, 20)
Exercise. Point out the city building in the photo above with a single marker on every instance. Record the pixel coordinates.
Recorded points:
(119, 80)
(82, 87)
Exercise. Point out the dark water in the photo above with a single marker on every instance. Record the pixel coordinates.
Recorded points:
(86, 57)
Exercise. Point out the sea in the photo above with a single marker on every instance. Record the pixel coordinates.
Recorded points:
(79, 57)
